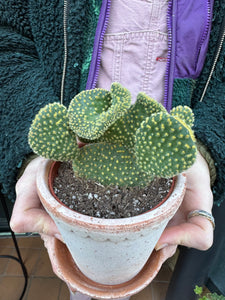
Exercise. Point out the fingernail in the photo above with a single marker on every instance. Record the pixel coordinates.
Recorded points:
(159, 247)
(59, 237)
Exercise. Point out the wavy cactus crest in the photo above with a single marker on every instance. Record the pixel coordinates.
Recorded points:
(128, 145)
(124, 129)
(92, 112)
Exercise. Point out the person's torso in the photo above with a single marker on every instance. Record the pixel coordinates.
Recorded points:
(135, 47)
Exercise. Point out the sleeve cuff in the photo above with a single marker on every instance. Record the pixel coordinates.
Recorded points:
(207, 156)
(25, 164)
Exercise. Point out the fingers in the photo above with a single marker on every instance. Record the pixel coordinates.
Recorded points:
(196, 233)
(34, 220)
(28, 214)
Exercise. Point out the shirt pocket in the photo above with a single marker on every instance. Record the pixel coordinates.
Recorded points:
(137, 60)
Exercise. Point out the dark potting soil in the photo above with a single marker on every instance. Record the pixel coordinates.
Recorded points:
(108, 202)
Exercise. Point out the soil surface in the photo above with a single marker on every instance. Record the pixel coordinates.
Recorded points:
(108, 202)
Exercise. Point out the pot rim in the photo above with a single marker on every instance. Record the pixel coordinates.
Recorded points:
(53, 206)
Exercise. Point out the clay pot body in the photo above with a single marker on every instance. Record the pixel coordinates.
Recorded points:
(109, 251)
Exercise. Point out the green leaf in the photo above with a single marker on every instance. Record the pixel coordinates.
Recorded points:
(198, 290)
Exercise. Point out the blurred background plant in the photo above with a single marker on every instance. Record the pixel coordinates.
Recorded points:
(208, 296)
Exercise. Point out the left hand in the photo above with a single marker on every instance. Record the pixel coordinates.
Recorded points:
(196, 232)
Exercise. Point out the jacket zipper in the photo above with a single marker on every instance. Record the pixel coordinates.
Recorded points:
(65, 10)
(206, 30)
(98, 43)
(171, 21)
(217, 54)
(97, 50)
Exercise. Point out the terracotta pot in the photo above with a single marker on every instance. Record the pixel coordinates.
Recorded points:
(109, 251)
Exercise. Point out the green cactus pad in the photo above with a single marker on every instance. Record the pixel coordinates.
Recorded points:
(164, 146)
(184, 113)
(109, 164)
(123, 130)
(50, 135)
(152, 105)
(91, 112)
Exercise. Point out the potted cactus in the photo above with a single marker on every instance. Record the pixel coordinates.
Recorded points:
(127, 146)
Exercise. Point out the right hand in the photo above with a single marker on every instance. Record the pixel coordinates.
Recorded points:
(28, 213)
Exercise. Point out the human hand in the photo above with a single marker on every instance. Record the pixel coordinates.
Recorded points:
(195, 232)
(28, 213)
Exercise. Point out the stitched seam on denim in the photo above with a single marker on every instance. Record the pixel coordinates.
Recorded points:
(153, 1)
(136, 34)
(154, 16)
(117, 61)
(148, 70)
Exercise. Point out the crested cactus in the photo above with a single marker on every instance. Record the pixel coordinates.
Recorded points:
(92, 112)
(123, 130)
(127, 145)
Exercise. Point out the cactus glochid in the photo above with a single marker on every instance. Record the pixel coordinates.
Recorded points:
(126, 145)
